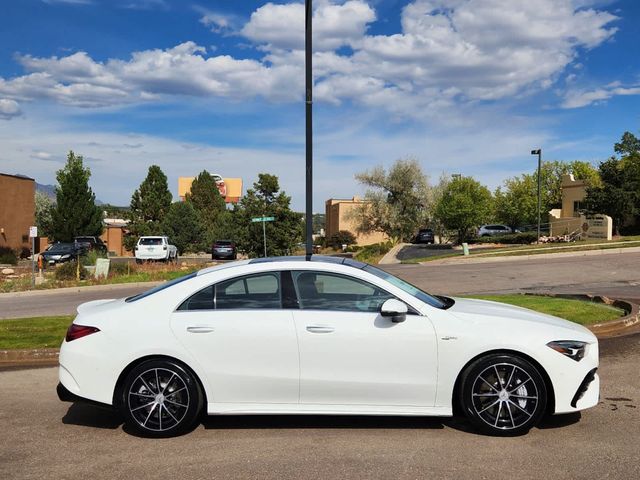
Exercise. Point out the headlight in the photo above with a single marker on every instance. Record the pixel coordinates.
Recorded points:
(572, 349)
(65, 256)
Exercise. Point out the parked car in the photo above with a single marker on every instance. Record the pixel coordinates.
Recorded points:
(155, 248)
(62, 252)
(322, 335)
(92, 243)
(424, 235)
(494, 230)
(224, 249)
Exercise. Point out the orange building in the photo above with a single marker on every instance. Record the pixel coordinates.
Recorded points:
(336, 219)
(17, 210)
(230, 188)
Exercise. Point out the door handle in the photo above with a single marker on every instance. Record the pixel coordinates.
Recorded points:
(319, 329)
(200, 329)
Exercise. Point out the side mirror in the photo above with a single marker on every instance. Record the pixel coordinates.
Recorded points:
(395, 310)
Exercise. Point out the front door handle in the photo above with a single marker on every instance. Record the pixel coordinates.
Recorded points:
(199, 329)
(319, 329)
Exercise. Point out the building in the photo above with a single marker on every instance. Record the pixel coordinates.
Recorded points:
(17, 210)
(336, 219)
(230, 188)
(113, 235)
(571, 219)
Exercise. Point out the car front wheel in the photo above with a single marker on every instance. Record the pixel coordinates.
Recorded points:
(160, 398)
(503, 395)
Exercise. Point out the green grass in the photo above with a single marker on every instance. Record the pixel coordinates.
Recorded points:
(578, 311)
(35, 332)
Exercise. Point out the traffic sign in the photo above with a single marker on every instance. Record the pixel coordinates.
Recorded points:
(263, 219)
(33, 232)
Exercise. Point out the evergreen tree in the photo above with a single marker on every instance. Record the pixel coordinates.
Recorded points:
(208, 203)
(75, 212)
(44, 205)
(266, 199)
(184, 227)
(149, 205)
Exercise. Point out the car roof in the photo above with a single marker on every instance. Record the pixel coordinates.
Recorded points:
(296, 258)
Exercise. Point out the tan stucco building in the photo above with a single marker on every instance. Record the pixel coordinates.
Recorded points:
(567, 219)
(231, 191)
(17, 210)
(336, 219)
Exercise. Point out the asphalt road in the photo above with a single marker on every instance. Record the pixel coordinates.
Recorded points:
(616, 275)
(45, 438)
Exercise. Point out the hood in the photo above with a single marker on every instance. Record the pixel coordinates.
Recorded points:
(477, 309)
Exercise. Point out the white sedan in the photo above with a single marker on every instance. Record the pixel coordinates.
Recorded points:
(322, 335)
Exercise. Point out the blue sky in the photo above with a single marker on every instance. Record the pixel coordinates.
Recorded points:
(464, 86)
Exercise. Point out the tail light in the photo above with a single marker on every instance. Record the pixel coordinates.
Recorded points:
(78, 331)
(164, 247)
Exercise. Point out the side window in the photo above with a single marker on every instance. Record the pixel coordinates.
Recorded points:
(253, 291)
(327, 291)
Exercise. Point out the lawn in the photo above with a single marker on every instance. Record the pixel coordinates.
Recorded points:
(36, 332)
(578, 311)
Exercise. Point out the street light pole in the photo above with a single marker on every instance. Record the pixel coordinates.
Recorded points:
(309, 127)
(539, 153)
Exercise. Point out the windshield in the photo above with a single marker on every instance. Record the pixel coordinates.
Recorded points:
(159, 288)
(407, 287)
(61, 247)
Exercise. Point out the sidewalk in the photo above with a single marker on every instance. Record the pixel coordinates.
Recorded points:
(85, 288)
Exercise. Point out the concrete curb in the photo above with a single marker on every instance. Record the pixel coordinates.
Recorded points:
(87, 288)
(390, 257)
(514, 258)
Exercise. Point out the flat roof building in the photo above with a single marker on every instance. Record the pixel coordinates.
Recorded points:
(17, 210)
(337, 218)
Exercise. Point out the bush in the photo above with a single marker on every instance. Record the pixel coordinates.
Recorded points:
(371, 253)
(122, 268)
(524, 238)
(68, 271)
(343, 237)
(91, 257)
(7, 255)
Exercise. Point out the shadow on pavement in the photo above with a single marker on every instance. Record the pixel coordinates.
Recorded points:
(559, 421)
(92, 416)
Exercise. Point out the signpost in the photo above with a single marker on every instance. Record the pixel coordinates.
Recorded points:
(264, 220)
(33, 233)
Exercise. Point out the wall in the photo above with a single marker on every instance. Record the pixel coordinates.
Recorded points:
(17, 210)
(336, 213)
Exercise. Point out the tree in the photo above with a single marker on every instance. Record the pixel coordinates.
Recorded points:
(208, 203)
(342, 237)
(464, 205)
(266, 199)
(184, 227)
(399, 202)
(629, 144)
(44, 205)
(149, 205)
(75, 212)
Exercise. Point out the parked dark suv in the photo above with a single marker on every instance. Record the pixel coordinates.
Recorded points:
(424, 235)
(91, 243)
(224, 249)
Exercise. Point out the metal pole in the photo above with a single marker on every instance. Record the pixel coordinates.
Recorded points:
(309, 127)
(539, 152)
(33, 262)
(264, 236)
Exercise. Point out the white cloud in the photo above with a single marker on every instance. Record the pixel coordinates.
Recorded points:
(9, 109)
(448, 53)
(583, 98)
(69, 2)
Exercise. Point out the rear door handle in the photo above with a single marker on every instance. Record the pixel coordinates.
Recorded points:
(319, 329)
(200, 329)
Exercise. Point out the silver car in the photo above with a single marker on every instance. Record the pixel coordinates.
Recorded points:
(491, 230)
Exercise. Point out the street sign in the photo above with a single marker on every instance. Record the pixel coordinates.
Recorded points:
(263, 219)
(33, 232)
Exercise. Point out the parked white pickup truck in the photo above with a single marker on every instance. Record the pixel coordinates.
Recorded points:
(155, 248)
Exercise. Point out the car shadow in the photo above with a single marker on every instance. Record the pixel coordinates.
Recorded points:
(87, 415)
(559, 421)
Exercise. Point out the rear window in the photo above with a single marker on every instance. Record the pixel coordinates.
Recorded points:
(223, 243)
(150, 241)
(159, 288)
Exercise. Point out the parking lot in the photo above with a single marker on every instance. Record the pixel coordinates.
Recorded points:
(45, 438)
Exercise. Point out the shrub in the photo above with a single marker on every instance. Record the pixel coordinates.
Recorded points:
(122, 268)
(25, 252)
(371, 253)
(8, 256)
(343, 237)
(68, 271)
(90, 257)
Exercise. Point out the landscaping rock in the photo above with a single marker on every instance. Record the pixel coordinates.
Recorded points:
(8, 271)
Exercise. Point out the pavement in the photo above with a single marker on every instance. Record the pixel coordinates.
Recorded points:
(45, 438)
(613, 275)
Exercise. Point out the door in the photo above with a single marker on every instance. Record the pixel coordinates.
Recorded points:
(351, 355)
(243, 340)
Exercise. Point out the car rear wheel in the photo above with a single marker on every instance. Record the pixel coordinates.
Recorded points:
(161, 398)
(503, 395)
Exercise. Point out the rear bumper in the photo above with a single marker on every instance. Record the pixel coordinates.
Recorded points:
(66, 396)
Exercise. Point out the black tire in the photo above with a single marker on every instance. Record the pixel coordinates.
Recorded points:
(169, 410)
(503, 395)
